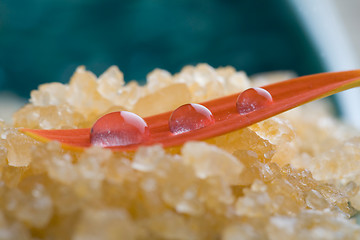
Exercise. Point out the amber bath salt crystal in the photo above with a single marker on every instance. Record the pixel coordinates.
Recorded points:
(293, 176)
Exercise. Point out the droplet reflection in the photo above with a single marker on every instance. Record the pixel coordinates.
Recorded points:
(119, 129)
(190, 117)
(253, 99)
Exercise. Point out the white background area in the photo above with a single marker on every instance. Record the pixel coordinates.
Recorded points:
(334, 27)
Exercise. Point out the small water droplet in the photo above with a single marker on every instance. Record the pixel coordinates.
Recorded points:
(119, 129)
(253, 99)
(190, 117)
(3, 135)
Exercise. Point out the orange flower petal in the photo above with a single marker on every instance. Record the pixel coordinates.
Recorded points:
(285, 95)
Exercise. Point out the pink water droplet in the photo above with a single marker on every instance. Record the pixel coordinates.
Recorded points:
(190, 117)
(253, 99)
(119, 129)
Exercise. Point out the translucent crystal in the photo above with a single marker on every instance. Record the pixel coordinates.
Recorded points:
(91, 173)
(34, 209)
(351, 188)
(143, 162)
(163, 100)
(12, 176)
(90, 162)
(315, 200)
(209, 161)
(64, 200)
(259, 182)
(245, 139)
(129, 95)
(118, 170)
(59, 166)
(261, 79)
(340, 162)
(19, 149)
(246, 231)
(12, 230)
(312, 225)
(281, 134)
(49, 94)
(48, 117)
(199, 76)
(169, 225)
(237, 82)
(158, 79)
(110, 83)
(226, 72)
(185, 196)
(109, 224)
(83, 95)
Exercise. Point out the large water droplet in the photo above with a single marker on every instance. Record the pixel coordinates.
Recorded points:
(119, 129)
(190, 117)
(253, 99)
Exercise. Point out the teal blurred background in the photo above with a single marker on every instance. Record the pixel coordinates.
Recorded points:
(44, 41)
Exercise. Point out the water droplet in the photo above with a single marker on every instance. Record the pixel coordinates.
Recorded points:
(253, 99)
(119, 129)
(190, 117)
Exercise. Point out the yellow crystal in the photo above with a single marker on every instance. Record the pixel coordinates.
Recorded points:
(172, 97)
(294, 176)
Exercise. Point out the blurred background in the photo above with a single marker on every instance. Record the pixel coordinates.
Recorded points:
(44, 41)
